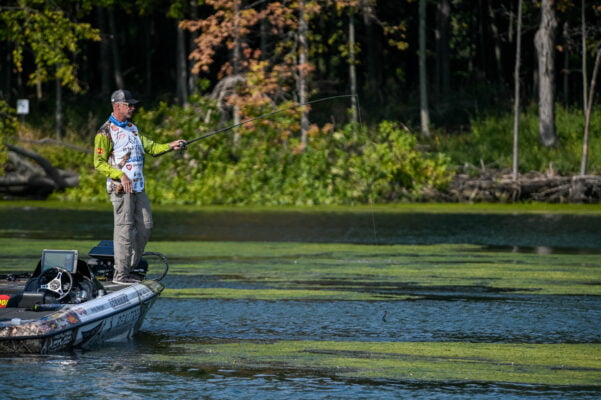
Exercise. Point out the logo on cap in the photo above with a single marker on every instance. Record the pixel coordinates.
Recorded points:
(123, 96)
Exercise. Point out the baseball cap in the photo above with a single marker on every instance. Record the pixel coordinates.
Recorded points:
(123, 96)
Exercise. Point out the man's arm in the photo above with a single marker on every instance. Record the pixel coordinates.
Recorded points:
(156, 148)
(102, 149)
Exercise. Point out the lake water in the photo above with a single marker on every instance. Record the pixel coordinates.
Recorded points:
(134, 370)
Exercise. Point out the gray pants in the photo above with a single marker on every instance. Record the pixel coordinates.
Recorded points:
(132, 227)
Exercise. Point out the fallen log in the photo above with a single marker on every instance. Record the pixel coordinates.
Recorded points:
(500, 187)
(33, 180)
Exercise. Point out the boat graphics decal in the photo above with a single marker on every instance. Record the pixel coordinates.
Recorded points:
(120, 311)
(4, 298)
(58, 341)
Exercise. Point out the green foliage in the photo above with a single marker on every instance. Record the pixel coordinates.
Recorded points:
(349, 165)
(491, 141)
(8, 127)
(42, 29)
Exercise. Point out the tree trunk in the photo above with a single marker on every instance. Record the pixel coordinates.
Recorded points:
(115, 50)
(516, 92)
(302, 72)
(443, 16)
(236, 58)
(181, 64)
(544, 42)
(58, 114)
(373, 81)
(497, 39)
(105, 72)
(423, 78)
(192, 77)
(352, 69)
(8, 74)
(584, 71)
(587, 122)
(566, 64)
(148, 54)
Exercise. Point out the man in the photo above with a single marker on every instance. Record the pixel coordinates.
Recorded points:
(119, 155)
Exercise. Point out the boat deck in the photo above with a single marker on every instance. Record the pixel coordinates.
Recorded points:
(14, 287)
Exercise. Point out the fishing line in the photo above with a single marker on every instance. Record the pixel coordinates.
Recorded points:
(297, 105)
(371, 198)
(227, 128)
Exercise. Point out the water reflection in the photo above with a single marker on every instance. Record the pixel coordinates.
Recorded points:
(522, 319)
(514, 230)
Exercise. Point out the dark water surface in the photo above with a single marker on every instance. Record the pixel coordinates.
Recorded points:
(528, 230)
(122, 370)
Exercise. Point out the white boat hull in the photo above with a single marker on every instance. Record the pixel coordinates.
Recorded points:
(114, 316)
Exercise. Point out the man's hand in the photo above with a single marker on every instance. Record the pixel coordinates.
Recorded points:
(126, 182)
(178, 144)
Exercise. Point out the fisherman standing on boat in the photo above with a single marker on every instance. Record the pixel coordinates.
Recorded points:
(119, 155)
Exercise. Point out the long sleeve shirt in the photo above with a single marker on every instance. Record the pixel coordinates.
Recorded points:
(120, 149)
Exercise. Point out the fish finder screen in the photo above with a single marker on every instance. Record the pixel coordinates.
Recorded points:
(66, 259)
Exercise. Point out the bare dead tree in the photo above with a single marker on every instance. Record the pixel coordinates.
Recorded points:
(589, 109)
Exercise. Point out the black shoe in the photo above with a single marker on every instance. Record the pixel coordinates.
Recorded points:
(126, 281)
(136, 276)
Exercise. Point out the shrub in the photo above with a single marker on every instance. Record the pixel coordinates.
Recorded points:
(264, 166)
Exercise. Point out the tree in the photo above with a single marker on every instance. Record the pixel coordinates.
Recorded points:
(44, 30)
(352, 68)
(443, 15)
(8, 127)
(423, 76)
(589, 109)
(584, 66)
(516, 92)
(303, 68)
(544, 42)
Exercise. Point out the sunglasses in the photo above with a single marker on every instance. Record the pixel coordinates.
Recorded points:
(128, 104)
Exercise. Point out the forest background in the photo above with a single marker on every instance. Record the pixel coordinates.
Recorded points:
(435, 89)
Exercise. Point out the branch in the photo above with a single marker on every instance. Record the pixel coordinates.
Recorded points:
(53, 173)
(57, 143)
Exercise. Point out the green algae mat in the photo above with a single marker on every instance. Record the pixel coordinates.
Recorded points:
(314, 272)
(533, 364)
(279, 271)
(276, 271)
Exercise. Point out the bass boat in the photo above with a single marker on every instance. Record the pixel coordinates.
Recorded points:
(70, 303)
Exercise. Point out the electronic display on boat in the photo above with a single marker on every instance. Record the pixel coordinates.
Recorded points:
(66, 259)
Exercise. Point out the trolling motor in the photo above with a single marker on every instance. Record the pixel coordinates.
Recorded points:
(102, 262)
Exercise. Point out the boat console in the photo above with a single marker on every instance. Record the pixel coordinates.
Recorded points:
(59, 277)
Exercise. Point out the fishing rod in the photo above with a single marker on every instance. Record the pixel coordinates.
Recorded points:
(227, 128)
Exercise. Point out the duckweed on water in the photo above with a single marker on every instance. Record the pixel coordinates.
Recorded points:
(347, 271)
(540, 364)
